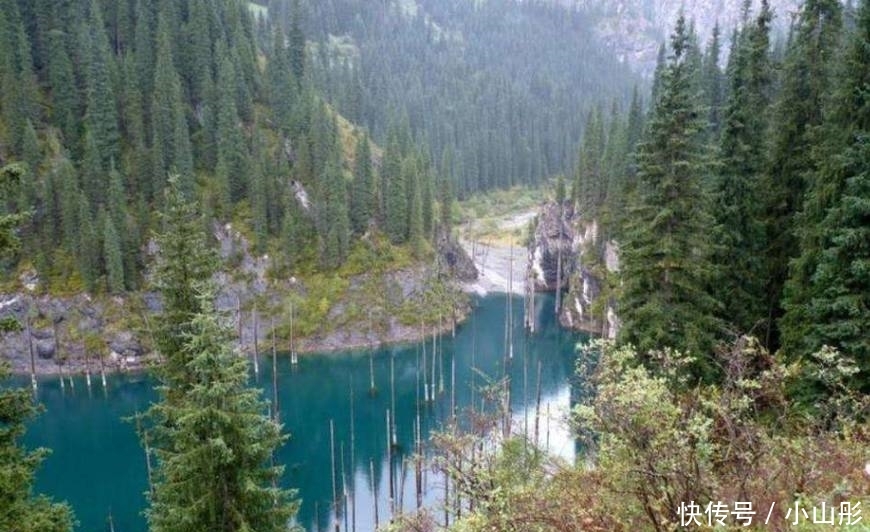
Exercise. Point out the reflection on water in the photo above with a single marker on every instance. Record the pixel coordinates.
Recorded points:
(98, 465)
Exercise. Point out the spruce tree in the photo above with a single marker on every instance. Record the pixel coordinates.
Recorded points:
(740, 277)
(112, 255)
(296, 43)
(835, 240)
(184, 258)
(797, 116)
(665, 263)
(88, 249)
(101, 118)
(395, 192)
(712, 84)
(412, 176)
(170, 135)
(259, 193)
(232, 158)
(209, 431)
(589, 176)
(335, 224)
(66, 105)
(363, 195)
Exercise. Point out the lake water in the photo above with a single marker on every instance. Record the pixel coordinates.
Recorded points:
(98, 465)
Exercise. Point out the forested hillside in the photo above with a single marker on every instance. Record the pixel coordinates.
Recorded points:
(497, 90)
(736, 211)
(741, 215)
(104, 100)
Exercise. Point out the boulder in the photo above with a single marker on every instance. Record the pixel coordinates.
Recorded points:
(44, 349)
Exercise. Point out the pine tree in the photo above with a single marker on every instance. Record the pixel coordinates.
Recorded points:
(232, 162)
(737, 188)
(712, 82)
(184, 258)
(101, 118)
(296, 40)
(335, 224)
(395, 192)
(363, 195)
(665, 251)
(112, 255)
(412, 176)
(170, 135)
(836, 233)
(209, 430)
(797, 114)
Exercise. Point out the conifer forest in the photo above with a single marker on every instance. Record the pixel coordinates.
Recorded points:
(434, 265)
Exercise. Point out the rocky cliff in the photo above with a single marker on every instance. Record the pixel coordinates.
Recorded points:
(634, 29)
(568, 255)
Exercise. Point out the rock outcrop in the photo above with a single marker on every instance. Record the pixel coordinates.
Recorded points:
(77, 333)
(553, 241)
(452, 258)
(634, 29)
(568, 255)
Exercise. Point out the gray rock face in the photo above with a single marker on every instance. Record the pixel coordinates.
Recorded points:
(44, 349)
(553, 240)
(586, 303)
(126, 345)
(453, 258)
(634, 29)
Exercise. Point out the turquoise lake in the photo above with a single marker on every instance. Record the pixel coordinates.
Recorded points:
(98, 464)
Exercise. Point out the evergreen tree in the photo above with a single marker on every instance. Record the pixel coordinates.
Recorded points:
(364, 195)
(445, 190)
(112, 255)
(296, 43)
(712, 82)
(259, 193)
(395, 192)
(66, 106)
(185, 258)
(428, 201)
(88, 249)
(170, 135)
(210, 433)
(335, 224)
(232, 163)
(101, 118)
(665, 251)
(144, 39)
(737, 188)
(416, 235)
(797, 115)
(282, 87)
(835, 232)
(588, 181)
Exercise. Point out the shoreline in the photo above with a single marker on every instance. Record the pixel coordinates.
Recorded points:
(342, 339)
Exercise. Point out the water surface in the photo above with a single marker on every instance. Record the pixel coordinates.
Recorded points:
(98, 465)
